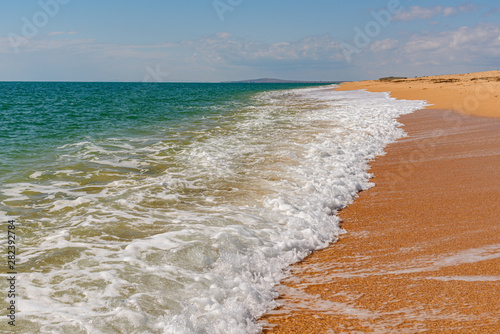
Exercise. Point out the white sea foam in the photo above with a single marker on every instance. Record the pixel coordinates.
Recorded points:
(485, 278)
(188, 232)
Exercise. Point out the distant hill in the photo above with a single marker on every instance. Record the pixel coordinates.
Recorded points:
(271, 80)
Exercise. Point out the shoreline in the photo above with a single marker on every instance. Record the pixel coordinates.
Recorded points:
(422, 252)
(472, 93)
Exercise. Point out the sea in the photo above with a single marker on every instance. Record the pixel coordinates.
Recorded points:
(174, 207)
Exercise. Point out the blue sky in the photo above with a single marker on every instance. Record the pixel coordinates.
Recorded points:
(218, 40)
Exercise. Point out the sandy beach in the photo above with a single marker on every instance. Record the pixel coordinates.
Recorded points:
(471, 93)
(422, 252)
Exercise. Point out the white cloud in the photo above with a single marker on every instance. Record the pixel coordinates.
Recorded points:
(481, 38)
(384, 45)
(424, 13)
(56, 33)
(223, 56)
(83, 46)
(223, 47)
(418, 13)
(10, 45)
(465, 49)
(492, 11)
(466, 45)
(449, 11)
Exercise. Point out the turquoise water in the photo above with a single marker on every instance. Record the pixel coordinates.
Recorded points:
(36, 118)
(172, 207)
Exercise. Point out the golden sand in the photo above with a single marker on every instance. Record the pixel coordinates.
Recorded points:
(472, 93)
(422, 253)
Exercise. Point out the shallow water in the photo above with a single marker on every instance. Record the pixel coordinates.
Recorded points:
(175, 208)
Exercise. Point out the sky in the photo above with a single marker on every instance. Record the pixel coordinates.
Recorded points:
(224, 40)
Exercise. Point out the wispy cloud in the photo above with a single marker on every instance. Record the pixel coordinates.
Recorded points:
(36, 45)
(424, 13)
(492, 11)
(222, 56)
(466, 44)
(225, 47)
(384, 45)
(424, 53)
(56, 33)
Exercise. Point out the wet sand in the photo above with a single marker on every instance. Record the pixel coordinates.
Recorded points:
(422, 252)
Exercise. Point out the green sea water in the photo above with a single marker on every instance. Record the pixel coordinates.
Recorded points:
(38, 117)
(174, 207)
